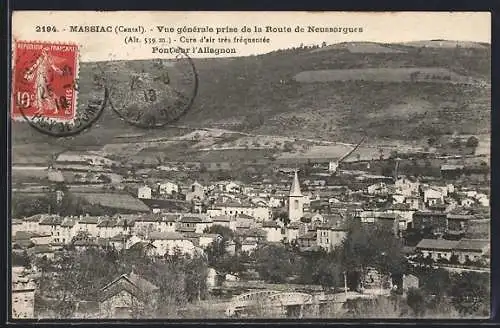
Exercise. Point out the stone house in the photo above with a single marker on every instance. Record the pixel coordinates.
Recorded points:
(128, 296)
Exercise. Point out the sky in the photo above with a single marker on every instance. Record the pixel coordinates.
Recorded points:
(376, 27)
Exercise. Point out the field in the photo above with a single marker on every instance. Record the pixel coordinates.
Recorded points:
(258, 95)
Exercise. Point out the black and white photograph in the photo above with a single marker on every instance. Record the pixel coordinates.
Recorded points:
(250, 165)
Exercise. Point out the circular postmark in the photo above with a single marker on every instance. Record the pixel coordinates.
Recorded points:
(50, 95)
(152, 94)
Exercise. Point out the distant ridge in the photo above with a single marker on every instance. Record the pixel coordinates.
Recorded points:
(438, 43)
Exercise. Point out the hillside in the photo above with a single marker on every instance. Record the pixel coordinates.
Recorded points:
(261, 94)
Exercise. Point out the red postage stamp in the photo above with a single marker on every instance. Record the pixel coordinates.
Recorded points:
(44, 80)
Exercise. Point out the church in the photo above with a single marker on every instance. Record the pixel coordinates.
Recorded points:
(295, 201)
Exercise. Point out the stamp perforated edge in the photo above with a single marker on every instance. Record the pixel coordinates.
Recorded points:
(21, 118)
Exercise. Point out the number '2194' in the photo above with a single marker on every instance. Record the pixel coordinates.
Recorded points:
(45, 28)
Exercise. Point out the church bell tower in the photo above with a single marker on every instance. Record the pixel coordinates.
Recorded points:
(295, 200)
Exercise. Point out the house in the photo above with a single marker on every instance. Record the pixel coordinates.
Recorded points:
(134, 243)
(389, 221)
(398, 198)
(22, 240)
(128, 296)
(144, 192)
(437, 248)
(222, 220)
(435, 220)
(233, 208)
(483, 200)
(107, 228)
(49, 225)
(196, 192)
(82, 244)
(168, 188)
(405, 213)
(433, 196)
(410, 281)
(41, 251)
(207, 238)
(198, 222)
(23, 294)
(471, 250)
(406, 186)
(377, 189)
(414, 202)
(292, 231)
(168, 222)
(145, 224)
(41, 238)
(458, 222)
(31, 223)
(332, 166)
(168, 242)
(329, 236)
(16, 225)
(244, 220)
(249, 246)
(273, 231)
(307, 240)
(467, 202)
(229, 186)
(242, 226)
(118, 241)
(88, 224)
(211, 278)
(67, 230)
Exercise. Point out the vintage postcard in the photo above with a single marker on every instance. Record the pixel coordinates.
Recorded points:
(221, 165)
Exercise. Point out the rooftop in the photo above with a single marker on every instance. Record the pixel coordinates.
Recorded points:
(158, 235)
(437, 244)
(472, 245)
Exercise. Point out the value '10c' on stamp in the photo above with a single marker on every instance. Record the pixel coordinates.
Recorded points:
(44, 80)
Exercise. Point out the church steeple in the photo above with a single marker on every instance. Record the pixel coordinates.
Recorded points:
(295, 189)
(295, 200)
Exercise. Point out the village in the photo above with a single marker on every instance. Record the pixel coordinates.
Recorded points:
(439, 222)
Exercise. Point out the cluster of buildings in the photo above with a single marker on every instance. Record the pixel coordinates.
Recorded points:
(272, 211)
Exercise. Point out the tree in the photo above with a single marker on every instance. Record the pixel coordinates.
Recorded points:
(471, 293)
(431, 141)
(472, 142)
(454, 259)
(436, 282)
(22, 260)
(456, 143)
(372, 246)
(104, 178)
(416, 301)
(380, 307)
(226, 233)
(381, 154)
(217, 255)
(327, 273)
(288, 147)
(274, 263)
(283, 217)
